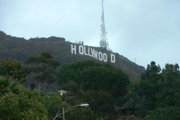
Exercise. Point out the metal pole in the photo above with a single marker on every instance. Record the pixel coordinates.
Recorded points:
(63, 114)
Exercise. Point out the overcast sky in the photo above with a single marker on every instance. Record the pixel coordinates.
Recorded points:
(141, 30)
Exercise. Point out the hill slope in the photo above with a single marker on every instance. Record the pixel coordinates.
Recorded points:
(21, 49)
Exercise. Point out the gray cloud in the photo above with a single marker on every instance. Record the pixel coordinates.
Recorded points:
(144, 30)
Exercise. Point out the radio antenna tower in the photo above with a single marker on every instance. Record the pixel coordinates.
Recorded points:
(103, 42)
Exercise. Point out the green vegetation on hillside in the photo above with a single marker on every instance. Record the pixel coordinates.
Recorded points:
(97, 84)
(157, 96)
(21, 49)
(19, 103)
(29, 91)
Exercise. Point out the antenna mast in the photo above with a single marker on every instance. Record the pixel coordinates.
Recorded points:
(103, 42)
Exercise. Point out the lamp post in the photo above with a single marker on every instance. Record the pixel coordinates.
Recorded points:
(58, 114)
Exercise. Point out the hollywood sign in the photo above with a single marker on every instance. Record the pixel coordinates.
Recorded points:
(91, 52)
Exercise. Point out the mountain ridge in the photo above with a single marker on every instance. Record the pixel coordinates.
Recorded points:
(20, 48)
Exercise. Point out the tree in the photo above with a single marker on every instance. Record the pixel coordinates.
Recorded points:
(81, 114)
(158, 91)
(8, 85)
(13, 69)
(94, 75)
(151, 71)
(103, 103)
(100, 84)
(17, 102)
(53, 103)
(148, 88)
(42, 70)
(167, 113)
(170, 87)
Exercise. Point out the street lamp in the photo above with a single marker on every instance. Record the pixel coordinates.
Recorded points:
(58, 114)
(83, 105)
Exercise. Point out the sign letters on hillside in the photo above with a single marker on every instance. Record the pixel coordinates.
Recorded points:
(91, 52)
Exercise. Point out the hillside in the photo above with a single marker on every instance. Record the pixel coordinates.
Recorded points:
(48, 86)
(21, 49)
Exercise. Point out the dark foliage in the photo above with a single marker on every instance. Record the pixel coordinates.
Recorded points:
(158, 93)
(21, 49)
(100, 84)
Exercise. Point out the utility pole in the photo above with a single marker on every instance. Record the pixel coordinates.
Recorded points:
(63, 114)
